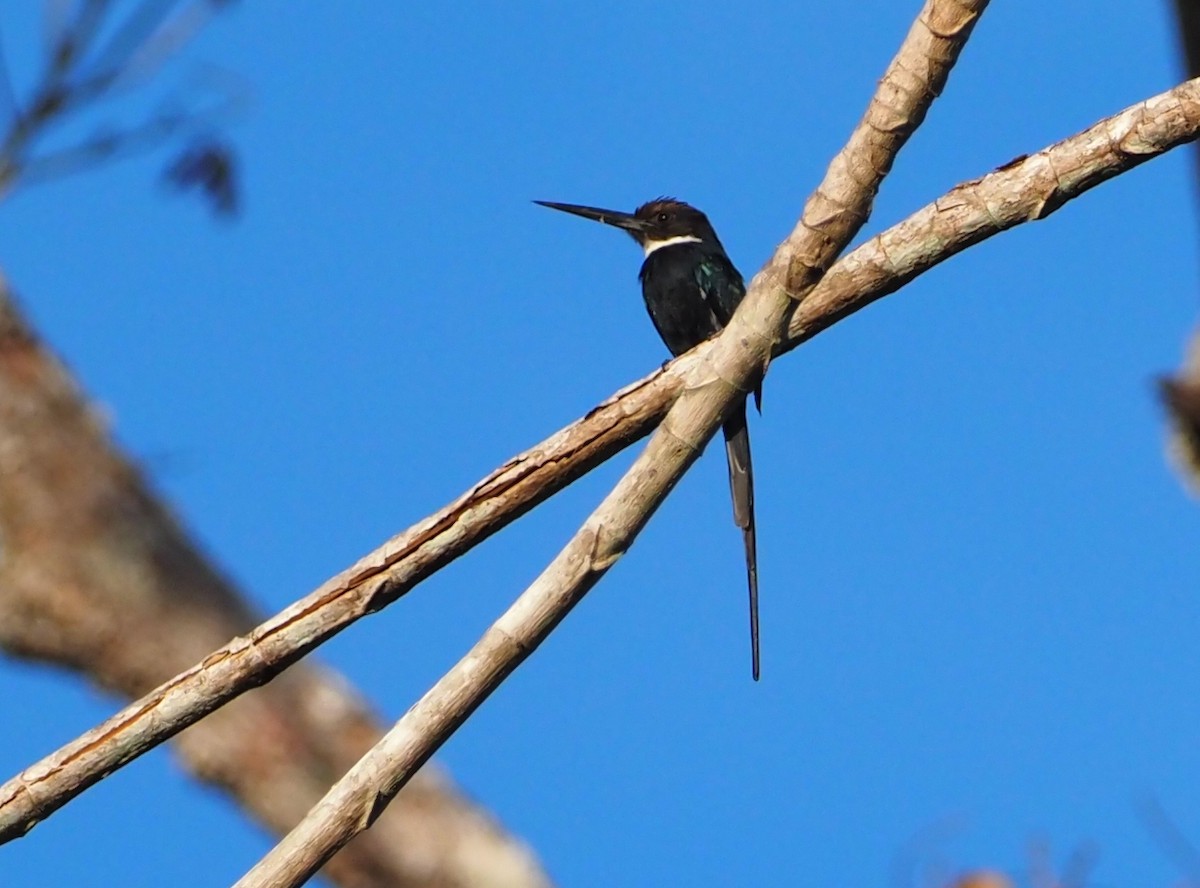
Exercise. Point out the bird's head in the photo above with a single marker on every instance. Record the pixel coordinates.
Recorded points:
(657, 223)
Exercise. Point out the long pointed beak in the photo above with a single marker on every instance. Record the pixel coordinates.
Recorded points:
(625, 221)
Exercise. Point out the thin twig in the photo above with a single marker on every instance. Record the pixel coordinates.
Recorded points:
(148, 40)
(101, 148)
(70, 39)
(135, 32)
(1023, 191)
(74, 79)
(730, 368)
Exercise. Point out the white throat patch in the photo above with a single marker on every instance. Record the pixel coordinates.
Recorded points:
(651, 245)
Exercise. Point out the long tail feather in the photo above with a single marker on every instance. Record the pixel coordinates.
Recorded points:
(741, 488)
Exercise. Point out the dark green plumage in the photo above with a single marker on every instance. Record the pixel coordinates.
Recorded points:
(691, 290)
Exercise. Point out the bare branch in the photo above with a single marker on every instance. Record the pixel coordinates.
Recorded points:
(1022, 191)
(842, 202)
(1026, 189)
(730, 368)
(253, 659)
(96, 575)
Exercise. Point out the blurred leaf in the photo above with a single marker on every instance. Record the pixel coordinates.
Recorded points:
(209, 167)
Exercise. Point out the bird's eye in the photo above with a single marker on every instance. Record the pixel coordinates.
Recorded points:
(664, 217)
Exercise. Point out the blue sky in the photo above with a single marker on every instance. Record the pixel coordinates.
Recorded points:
(979, 611)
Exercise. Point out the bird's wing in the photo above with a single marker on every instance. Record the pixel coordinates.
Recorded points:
(721, 286)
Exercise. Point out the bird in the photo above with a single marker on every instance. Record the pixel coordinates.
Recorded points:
(691, 289)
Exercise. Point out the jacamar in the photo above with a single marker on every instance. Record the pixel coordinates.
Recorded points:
(691, 290)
